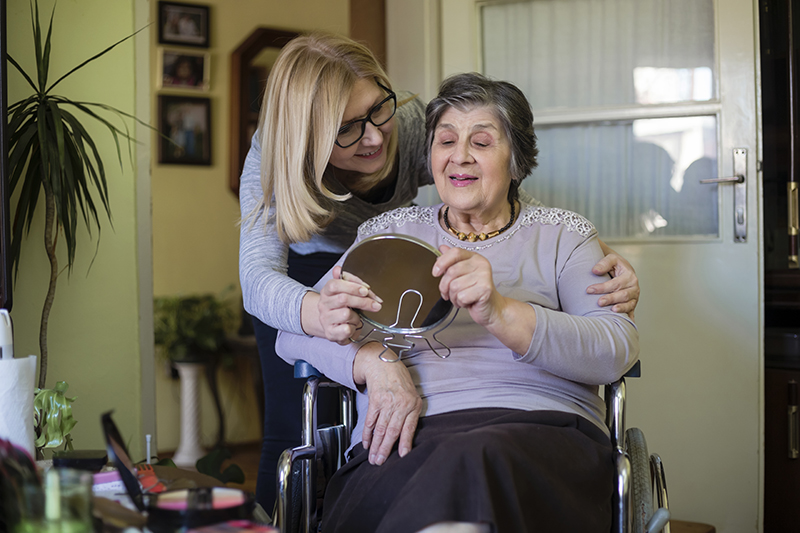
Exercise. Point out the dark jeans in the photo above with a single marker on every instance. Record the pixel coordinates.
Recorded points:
(282, 392)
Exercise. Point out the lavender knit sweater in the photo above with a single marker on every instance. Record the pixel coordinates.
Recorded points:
(544, 259)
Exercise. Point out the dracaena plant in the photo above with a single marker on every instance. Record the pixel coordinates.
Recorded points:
(53, 156)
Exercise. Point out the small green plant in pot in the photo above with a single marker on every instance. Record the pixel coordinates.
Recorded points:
(192, 328)
(53, 421)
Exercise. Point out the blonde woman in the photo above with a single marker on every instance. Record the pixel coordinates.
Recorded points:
(336, 146)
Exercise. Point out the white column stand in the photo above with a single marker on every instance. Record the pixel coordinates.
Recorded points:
(189, 449)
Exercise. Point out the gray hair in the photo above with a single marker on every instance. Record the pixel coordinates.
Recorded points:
(470, 90)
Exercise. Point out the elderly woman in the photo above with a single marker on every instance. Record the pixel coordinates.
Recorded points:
(339, 146)
(506, 434)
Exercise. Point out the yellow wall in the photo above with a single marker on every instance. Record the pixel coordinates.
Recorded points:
(94, 325)
(195, 238)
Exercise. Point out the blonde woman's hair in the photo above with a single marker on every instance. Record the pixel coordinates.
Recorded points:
(306, 95)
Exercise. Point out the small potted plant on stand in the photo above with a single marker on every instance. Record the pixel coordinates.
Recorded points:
(192, 334)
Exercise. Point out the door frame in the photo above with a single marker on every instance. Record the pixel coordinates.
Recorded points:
(415, 50)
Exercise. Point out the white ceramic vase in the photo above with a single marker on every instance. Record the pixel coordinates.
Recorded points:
(189, 450)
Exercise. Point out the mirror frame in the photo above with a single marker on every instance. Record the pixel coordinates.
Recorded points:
(377, 257)
(239, 142)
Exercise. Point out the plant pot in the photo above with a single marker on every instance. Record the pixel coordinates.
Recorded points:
(189, 449)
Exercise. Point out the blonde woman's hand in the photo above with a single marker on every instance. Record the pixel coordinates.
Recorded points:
(337, 301)
(394, 404)
(622, 290)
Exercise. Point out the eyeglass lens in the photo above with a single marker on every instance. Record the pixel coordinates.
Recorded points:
(351, 133)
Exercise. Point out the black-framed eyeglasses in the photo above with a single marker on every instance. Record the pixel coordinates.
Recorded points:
(350, 133)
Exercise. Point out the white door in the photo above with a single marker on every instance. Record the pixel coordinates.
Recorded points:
(631, 112)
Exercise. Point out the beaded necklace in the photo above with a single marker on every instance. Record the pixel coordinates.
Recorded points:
(471, 237)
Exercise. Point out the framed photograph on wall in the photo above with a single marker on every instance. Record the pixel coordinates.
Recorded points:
(185, 121)
(183, 24)
(180, 69)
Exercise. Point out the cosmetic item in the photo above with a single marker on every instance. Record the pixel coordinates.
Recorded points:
(235, 526)
(91, 460)
(172, 511)
(109, 481)
(148, 479)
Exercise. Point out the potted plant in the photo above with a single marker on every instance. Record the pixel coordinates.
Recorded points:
(53, 419)
(51, 152)
(192, 333)
(192, 328)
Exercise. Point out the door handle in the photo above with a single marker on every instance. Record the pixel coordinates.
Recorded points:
(732, 179)
(739, 182)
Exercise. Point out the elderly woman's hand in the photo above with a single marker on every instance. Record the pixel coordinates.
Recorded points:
(622, 290)
(337, 300)
(394, 404)
(467, 283)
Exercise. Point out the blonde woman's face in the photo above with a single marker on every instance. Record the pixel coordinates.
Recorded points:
(368, 155)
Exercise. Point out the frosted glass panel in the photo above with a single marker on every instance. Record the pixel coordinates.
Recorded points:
(632, 178)
(590, 53)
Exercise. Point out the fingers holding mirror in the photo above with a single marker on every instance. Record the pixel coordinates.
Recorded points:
(467, 282)
(337, 301)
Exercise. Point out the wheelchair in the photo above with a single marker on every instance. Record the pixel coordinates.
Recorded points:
(303, 471)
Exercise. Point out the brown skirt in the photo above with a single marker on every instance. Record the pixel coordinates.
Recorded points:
(519, 471)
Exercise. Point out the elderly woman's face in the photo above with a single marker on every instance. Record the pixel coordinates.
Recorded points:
(470, 158)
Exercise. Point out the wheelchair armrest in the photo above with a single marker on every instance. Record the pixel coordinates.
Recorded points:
(315, 442)
(305, 370)
(615, 406)
(634, 372)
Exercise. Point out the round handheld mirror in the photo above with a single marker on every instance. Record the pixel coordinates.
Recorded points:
(398, 269)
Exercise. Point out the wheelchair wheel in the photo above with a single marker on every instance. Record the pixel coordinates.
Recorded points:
(641, 486)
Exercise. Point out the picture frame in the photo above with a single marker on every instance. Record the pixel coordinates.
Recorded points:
(185, 126)
(183, 69)
(183, 24)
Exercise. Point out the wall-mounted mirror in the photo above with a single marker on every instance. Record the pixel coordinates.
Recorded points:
(250, 66)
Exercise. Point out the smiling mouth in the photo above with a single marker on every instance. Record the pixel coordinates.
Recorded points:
(462, 178)
(371, 154)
